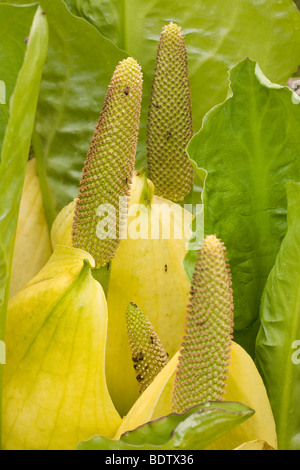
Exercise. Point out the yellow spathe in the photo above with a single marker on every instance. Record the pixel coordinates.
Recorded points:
(244, 385)
(151, 274)
(61, 232)
(148, 272)
(54, 386)
(32, 246)
(258, 444)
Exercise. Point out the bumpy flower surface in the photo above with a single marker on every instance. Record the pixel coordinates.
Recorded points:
(147, 271)
(244, 385)
(170, 118)
(205, 351)
(199, 371)
(148, 354)
(109, 165)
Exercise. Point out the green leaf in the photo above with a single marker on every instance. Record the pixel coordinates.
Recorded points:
(78, 69)
(77, 72)
(297, 2)
(278, 341)
(194, 430)
(14, 29)
(16, 143)
(249, 146)
(2, 92)
(218, 35)
(80, 63)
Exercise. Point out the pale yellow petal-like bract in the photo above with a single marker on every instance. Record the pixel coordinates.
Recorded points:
(258, 444)
(244, 385)
(148, 272)
(32, 246)
(54, 385)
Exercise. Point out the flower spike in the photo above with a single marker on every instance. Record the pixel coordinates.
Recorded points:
(148, 354)
(108, 170)
(170, 118)
(204, 356)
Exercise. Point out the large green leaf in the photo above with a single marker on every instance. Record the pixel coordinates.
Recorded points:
(194, 430)
(76, 75)
(2, 92)
(278, 341)
(15, 147)
(218, 35)
(14, 29)
(250, 147)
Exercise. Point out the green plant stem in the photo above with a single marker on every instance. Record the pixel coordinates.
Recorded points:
(102, 275)
(49, 208)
